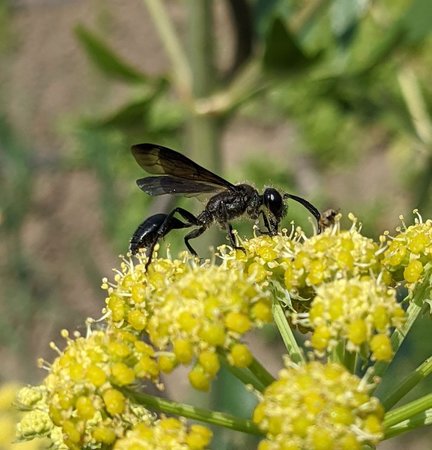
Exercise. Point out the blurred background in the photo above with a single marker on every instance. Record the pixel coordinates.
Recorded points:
(327, 99)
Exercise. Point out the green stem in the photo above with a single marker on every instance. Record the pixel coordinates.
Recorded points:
(415, 307)
(422, 123)
(171, 42)
(389, 42)
(203, 132)
(397, 338)
(406, 412)
(286, 333)
(416, 105)
(247, 84)
(424, 182)
(420, 373)
(192, 412)
(265, 377)
(419, 420)
(350, 360)
(307, 19)
(337, 354)
(244, 375)
(201, 46)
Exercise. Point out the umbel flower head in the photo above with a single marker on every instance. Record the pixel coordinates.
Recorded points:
(189, 311)
(360, 311)
(265, 256)
(301, 263)
(331, 255)
(339, 286)
(315, 406)
(165, 434)
(80, 398)
(294, 267)
(9, 416)
(409, 251)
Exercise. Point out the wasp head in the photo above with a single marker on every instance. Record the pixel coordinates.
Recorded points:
(273, 201)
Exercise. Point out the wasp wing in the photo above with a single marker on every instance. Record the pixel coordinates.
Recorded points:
(160, 160)
(171, 185)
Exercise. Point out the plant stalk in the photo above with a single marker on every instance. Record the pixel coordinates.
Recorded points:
(192, 412)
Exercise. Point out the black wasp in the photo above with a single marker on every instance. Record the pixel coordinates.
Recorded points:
(177, 174)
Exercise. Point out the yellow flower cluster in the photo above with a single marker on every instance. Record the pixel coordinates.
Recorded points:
(301, 264)
(165, 434)
(80, 396)
(360, 311)
(36, 421)
(135, 292)
(333, 284)
(189, 311)
(130, 431)
(267, 257)
(337, 285)
(409, 251)
(328, 256)
(317, 406)
(9, 417)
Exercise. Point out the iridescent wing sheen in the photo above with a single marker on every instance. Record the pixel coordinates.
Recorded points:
(170, 185)
(178, 174)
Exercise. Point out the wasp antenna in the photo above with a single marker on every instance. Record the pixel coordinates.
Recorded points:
(311, 208)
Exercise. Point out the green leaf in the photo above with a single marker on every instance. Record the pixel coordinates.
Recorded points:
(136, 116)
(106, 59)
(345, 17)
(130, 115)
(265, 10)
(417, 22)
(412, 27)
(282, 52)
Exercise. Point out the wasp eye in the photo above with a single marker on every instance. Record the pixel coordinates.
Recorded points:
(273, 201)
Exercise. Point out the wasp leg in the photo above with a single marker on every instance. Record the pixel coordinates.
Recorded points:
(192, 235)
(229, 228)
(273, 229)
(232, 239)
(266, 224)
(166, 226)
(149, 252)
(271, 225)
(169, 224)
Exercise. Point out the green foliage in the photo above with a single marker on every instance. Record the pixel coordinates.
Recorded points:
(282, 53)
(417, 21)
(347, 87)
(105, 59)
